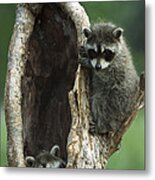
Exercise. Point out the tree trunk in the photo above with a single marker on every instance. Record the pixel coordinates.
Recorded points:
(47, 91)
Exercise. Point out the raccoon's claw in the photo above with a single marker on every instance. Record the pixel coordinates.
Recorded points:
(92, 128)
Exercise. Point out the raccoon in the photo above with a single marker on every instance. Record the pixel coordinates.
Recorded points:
(46, 159)
(114, 81)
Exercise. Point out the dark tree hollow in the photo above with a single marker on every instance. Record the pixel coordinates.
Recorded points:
(48, 77)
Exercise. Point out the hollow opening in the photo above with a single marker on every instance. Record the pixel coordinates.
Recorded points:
(48, 77)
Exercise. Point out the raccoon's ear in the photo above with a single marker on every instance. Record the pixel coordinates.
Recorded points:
(30, 161)
(87, 32)
(117, 32)
(55, 150)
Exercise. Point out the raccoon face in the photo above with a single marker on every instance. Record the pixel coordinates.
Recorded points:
(46, 159)
(100, 57)
(102, 45)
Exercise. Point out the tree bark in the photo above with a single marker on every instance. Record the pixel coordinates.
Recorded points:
(47, 92)
(16, 59)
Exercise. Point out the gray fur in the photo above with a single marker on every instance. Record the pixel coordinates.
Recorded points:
(46, 159)
(113, 89)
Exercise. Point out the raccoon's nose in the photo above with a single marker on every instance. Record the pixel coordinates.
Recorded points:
(98, 67)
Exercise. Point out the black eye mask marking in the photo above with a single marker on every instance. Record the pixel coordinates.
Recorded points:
(108, 55)
(92, 53)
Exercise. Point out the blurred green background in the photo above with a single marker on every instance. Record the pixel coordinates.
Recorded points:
(131, 16)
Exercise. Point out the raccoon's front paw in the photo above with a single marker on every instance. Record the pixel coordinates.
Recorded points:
(83, 58)
(83, 52)
(84, 62)
(92, 127)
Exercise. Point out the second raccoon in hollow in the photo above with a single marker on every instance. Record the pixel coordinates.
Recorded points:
(114, 82)
(46, 159)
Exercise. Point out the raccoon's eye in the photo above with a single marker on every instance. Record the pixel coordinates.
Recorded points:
(92, 54)
(44, 165)
(108, 55)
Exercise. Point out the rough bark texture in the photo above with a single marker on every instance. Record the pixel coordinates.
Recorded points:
(47, 92)
(16, 59)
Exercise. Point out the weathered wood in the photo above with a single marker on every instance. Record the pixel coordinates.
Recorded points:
(16, 59)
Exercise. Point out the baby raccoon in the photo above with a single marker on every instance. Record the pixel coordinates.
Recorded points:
(46, 159)
(114, 82)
